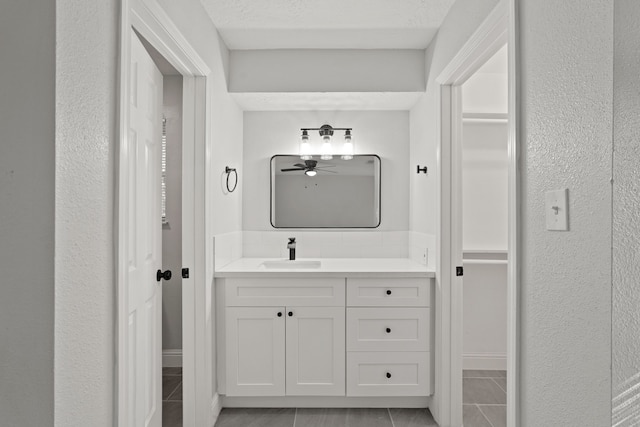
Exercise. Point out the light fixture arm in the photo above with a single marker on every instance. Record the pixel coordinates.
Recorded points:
(325, 130)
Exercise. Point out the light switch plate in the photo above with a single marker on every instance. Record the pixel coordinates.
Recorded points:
(557, 210)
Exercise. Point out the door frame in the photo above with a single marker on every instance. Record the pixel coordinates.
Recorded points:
(151, 21)
(498, 29)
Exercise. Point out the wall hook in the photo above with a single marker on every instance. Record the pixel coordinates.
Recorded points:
(423, 169)
(228, 171)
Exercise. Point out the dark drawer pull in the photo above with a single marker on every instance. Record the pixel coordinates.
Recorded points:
(388, 375)
(388, 330)
(279, 314)
(388, 291)
(290, 313)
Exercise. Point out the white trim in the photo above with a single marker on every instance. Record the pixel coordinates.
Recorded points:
(482, 45)
(497, 29)
(216, 408)
(514, 218)
(485, 117)
(150, 20)
(485, 361)
(327, 402)
(172, 358)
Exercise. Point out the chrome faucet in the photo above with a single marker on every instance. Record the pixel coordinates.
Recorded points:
(292, 248)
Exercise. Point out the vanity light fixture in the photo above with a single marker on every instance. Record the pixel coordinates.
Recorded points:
(305, 147)
(326, 150)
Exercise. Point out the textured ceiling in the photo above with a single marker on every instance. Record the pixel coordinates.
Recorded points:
(327, 24)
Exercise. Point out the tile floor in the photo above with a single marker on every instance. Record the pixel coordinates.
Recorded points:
(324, 417)
(484, 397)
(171, 397)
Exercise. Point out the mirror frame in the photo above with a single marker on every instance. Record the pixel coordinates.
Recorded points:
(271, 207)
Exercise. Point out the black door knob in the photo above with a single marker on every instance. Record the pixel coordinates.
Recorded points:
(388, 375)
(388, 330)
(388, 291)
(290, 313)
(160, 275)
(279, 314)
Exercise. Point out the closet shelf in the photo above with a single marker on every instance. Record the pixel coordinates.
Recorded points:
(484, 261)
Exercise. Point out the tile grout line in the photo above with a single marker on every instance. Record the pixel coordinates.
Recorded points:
(391, 417)
(485, 417)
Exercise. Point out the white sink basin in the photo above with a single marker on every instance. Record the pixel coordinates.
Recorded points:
(286, 264)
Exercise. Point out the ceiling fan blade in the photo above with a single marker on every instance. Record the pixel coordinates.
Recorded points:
(300, 165)
(324, 167)
(292, 169)
(324, 171)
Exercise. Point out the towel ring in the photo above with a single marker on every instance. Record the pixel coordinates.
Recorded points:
(228, 171)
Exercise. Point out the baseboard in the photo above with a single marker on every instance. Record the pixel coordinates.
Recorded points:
(485, 361)
(326, 402)
(172, 358)
(216, 407)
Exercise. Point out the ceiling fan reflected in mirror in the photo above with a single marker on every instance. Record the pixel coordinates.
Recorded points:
(310, 168)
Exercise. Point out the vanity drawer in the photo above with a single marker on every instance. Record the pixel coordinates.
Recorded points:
(400, 292)
(323, 292)
(388, 329)
(388, 374)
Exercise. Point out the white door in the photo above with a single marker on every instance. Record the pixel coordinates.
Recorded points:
(144, 245)
(255, 351)
(315, 351)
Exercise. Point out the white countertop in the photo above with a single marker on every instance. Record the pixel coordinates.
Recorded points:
(329, 267)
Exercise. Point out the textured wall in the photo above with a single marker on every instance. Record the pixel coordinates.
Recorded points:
(626, 217)
(566, 51)
(27, 102)
(86, 58)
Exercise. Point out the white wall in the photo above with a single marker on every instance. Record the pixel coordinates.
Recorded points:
(484, 216)
(385, 133)
(626, 205)
(172, 232)
(86, 97)
(86, 94)
(326, 70)
(463, 19)
(484, 186)
(27, 115)
(566, 106)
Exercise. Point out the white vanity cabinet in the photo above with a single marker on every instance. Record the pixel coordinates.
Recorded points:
(388, 337)
(327, 339)
(293, 349)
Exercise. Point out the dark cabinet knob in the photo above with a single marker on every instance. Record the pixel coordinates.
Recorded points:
(388, 330)
(279, 314)
(388, 291)
(160, 275)
(290, 313)
(388, 375)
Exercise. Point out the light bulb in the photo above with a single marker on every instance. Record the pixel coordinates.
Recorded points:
(326, 152)
(305, 147)
(347, 147)
(310, 172)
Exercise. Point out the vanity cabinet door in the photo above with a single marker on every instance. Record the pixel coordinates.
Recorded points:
(255, 351)
(315, 351)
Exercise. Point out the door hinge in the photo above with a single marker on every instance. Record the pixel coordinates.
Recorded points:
(459, 271)
(185, 273)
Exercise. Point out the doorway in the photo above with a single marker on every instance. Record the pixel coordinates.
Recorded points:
(170, 49)
(497, 30)
(484, 168)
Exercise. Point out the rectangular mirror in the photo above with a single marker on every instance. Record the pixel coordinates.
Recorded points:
(334, 193)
